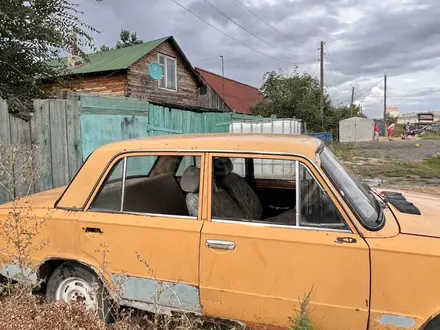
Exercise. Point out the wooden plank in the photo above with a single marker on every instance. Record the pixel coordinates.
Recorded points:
(58, 135)
(21, 138)
(5, 141)
(73, 137)
(41, 139)
(4, 123)
(109, 102)
(104, 111)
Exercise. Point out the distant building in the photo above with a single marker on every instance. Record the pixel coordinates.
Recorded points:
(393, 111)
(412, 117)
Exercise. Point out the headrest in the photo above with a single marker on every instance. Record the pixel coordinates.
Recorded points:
(190, 179)
(222, 166)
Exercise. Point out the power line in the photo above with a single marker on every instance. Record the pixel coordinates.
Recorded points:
(243, 28)
(339, 99)
(347, 95)
(412, 96)
(359, 94)
(208, 59)
(231, 37)
(265, 22)
(316, 68)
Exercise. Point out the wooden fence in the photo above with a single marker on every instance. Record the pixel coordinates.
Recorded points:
(67, 131)
(54, 130)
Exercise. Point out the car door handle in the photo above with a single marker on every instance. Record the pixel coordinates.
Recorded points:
(221, 245)
(92, 230)
(349, 240)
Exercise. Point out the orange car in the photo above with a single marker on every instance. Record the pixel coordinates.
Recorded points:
(239, 227)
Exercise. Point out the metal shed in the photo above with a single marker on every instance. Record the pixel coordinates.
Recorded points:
(356, 129)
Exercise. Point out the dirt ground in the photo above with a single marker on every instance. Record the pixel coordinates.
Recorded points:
(400, 150)
(398, 164)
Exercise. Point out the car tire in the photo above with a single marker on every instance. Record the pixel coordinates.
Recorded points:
(72, 281)
(434, 324)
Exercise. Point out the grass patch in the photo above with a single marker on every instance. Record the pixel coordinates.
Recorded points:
(377, 165)
(391, 168)
(431, 136)
(346, 152)
(302, 320)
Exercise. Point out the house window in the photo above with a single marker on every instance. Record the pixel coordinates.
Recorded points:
(169, 68)
(203, 90)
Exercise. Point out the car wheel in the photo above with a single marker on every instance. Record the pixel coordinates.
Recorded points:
(74, 282)
(434, 324)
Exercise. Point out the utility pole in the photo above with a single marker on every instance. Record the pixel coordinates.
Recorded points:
(352, 102)
(352, 96)
(385, 106)
(321, 103)
(223, 80)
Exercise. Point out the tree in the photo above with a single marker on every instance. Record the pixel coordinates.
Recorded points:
(127, 39)
(32, 33)
(298, 95)
(390, 119)
(104, 48)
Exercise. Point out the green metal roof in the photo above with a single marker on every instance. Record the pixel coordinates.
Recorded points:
(115, 59)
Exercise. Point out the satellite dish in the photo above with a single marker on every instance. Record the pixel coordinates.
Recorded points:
(155, 71)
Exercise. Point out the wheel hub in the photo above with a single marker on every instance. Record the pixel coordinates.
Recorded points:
(77, 290)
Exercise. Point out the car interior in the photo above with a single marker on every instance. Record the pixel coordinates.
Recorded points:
(175, 191)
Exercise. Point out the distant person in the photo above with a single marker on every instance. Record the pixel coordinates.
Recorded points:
(391, 130)
(376, 132)
(406, 129)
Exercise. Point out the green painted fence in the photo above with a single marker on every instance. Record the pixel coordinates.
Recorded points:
(66, 132)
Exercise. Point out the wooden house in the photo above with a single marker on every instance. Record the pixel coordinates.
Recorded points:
(227, 95)
(124, 72)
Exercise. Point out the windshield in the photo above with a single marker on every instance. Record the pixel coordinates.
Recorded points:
(360, 199)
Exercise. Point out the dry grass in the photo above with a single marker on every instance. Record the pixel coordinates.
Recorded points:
(20, 311)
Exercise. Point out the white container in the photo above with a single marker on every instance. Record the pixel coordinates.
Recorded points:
(265, 168)
(273, 126)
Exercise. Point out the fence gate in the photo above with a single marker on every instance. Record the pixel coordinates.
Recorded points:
(110, 119)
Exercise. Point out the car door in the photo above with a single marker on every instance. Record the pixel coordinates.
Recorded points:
(258, 271)
(149, 245)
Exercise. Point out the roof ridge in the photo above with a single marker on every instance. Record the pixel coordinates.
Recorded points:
(233, 80)
(113, 50)
(132, 46)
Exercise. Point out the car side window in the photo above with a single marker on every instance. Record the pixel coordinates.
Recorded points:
(146, 185)
(270, 191)
(110, 195)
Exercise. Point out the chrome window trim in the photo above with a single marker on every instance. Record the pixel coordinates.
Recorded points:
(268, 225)
(298, 194)
(156, 215)
(124, 178)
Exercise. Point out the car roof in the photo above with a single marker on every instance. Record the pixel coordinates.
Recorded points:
(255, 142)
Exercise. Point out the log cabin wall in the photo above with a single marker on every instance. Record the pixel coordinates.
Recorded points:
(110, 84)
(140, 85)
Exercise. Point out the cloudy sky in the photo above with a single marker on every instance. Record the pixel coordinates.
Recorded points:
(364, 40)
